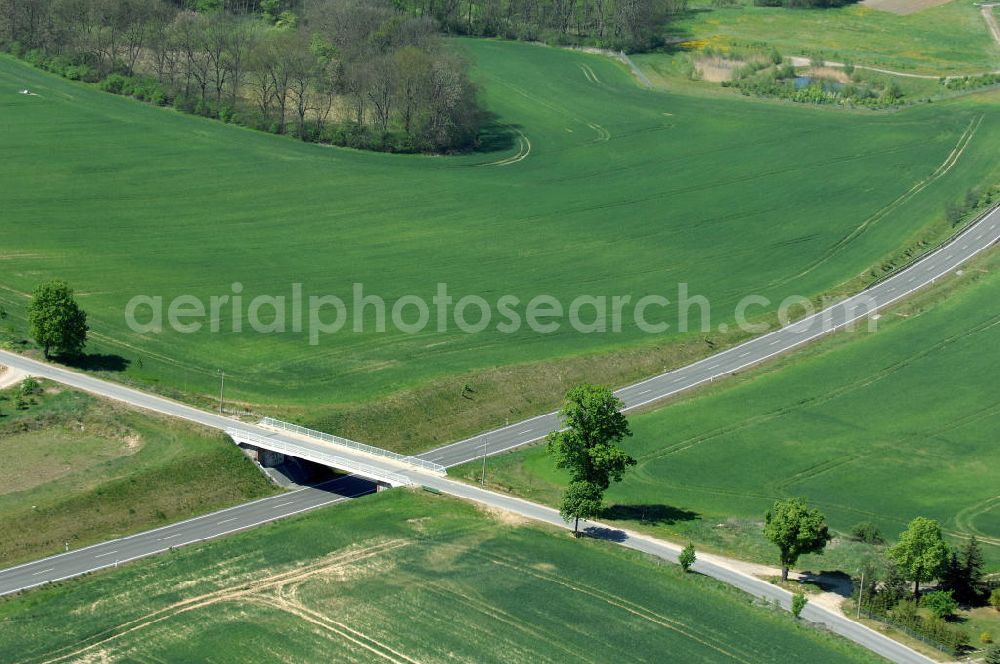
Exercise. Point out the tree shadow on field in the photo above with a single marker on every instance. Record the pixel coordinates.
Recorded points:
(651, 514)
(496, 136)
(94, 362)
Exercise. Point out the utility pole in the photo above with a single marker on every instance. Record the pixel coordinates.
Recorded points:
(861, 593)
(483, 481)
(222, 391)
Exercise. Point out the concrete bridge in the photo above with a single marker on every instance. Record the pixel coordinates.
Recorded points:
(273, 439)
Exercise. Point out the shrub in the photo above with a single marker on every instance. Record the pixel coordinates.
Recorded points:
(986, 638)
(159, 98)
(114, 83)
(952, 212)
(905, 613)
(992, 655)
(941, 604)
(995, 599)
(35, 57)
(76, 72)
(30, 386)
(687, 557)
(799, 602)
(868, 533)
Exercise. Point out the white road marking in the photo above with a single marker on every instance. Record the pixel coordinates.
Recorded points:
(171, 536)
(525, 431)
(283, 504)
(643, 392)
(43, 571)
(745, 354)
(101, 555)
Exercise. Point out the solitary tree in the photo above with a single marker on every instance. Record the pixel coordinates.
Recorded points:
(795, 529)
(55, 320)
(588, 448)
(921, 552)
(582, 500)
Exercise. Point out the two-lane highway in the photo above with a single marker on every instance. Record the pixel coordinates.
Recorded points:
(205, 527)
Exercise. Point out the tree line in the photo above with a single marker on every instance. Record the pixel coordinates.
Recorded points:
(804, 4)
(631, 25)
(361, 73)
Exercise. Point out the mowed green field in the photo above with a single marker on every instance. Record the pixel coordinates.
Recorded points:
(405, 576)
(82, 470)
(880, 427)
(950, 39)
(623, 191)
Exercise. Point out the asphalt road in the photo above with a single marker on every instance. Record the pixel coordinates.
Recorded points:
(854, 310)
(935, 266)
(209, 526)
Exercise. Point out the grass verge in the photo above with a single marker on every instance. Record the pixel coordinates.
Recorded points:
(81, 470)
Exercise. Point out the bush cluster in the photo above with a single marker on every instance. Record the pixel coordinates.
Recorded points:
(934, 628)
(781, 82)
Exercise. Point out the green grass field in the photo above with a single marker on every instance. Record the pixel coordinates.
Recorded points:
(624, 191)
(951, 39)
(83, 470)
(406, 576)
(878, 427)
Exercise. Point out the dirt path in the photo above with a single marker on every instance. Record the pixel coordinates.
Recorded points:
(9, 376)
(836, 587)
(991, 22)
(800, 61)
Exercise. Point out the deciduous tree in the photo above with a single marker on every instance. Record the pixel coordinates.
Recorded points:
(588, 446)
(55, 321)
(921, 552)
(581, 500)
(795, 529)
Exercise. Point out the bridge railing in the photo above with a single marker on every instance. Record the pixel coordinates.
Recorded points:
(331, 460)
(354, 445)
